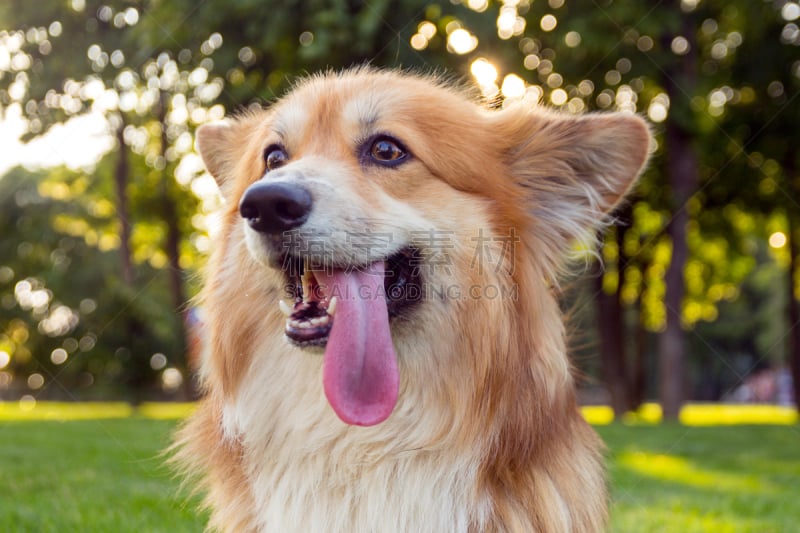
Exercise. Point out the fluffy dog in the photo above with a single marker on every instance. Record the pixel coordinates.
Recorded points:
(385, 349)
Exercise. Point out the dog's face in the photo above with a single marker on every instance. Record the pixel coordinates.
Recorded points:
(372, 200)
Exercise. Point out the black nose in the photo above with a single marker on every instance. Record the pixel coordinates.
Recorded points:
(275, 207)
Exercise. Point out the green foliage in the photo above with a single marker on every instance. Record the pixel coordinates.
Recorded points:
(66, 314)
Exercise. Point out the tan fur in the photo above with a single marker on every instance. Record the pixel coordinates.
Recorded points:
(486, 435)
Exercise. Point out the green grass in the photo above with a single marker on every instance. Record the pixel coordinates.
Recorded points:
(106, 475)
(704, 479)
(90, 476)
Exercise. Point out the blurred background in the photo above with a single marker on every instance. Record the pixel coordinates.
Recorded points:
(107, 215)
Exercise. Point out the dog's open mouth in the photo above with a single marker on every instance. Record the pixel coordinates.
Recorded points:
(347, 309)
(310, 317)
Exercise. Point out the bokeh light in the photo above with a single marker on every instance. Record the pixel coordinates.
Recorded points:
(790, 11)
(485, 73)
(658, 109)
(777, 240)
(461, 41)
(513, 86)
(680, 45)
(158, 361)
(572, 39)
(58, 356)
(478, 5)
(35, 381)
(548, 23)
(559, 97)
(171, 379)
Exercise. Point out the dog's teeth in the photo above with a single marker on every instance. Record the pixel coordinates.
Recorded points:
(306, 280)
(332, 306)
(316, 321)
(324, 320)
(285, 308)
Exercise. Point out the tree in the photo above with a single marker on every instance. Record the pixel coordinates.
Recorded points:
(66, 313)
(768, 114)
(710, 75)
(54, 83)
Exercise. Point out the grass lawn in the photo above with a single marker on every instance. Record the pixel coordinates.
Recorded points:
(721, 479)
(90, 476)
(105, 475)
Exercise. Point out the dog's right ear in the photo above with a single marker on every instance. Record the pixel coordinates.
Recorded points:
(574, 170)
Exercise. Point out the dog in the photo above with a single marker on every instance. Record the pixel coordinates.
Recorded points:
(385, 347)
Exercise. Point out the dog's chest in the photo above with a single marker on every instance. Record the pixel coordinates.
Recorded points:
(309, 472)
(337, 492)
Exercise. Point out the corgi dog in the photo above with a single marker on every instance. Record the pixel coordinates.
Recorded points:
(385, 350)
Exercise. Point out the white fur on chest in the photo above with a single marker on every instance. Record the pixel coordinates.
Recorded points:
(321, 494)
(310, 472)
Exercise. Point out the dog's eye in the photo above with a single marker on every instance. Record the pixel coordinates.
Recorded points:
(387, 151)
(275, 156)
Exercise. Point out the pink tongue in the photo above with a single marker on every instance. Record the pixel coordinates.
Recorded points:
(359, 372)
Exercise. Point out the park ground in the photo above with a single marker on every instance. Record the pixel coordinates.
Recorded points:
(100, 468)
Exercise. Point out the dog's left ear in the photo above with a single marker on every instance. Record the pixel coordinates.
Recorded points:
(227, 146)
(216, 144)
(575, 169)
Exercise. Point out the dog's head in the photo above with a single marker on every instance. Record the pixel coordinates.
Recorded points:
(370, 198)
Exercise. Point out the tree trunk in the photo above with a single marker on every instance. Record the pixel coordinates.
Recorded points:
(641, 349)
(624, 222)
(680, 81)
(121, 173)
(611, 328)
(169, 213)
(672, 343)
(172, 249)
(639, 374)
(612, 346)
(794, 308)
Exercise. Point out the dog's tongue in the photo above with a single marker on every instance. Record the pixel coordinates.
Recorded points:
(359, 372)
